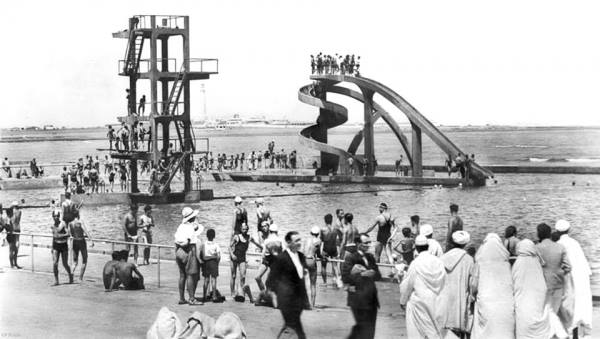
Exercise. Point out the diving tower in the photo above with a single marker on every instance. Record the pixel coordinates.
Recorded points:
(334, 159)
(148, 58)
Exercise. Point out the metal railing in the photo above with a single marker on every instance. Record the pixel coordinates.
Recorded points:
(162, 21)
(145, 65)
(113, 242)
(203, 65)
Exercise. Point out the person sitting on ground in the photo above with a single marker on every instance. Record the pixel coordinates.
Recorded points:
(123, 273)
(108, 273)
(210, 255)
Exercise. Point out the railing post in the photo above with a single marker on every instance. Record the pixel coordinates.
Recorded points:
(31, 244)
(112, 245)
(158, 266)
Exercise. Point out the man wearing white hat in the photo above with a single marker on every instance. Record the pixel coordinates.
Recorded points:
(578, 294)
(455, 294)
(185, 255)
(434, 246)
(419, 292)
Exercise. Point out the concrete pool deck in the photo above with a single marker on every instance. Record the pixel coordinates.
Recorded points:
(31, 308)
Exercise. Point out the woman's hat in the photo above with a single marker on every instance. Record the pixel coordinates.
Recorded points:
(187, 213)
(237, 199)
(315, 230)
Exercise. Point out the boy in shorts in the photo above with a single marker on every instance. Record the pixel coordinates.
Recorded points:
(211, 255)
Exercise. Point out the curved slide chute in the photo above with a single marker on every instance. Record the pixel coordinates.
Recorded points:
(332, 115)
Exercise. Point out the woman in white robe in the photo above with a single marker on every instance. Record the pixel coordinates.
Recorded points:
(492, 285)
(531, 310)
(419, 291)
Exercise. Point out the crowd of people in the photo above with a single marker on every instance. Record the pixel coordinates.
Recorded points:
(335, 64)
(505, 288)
(35, 171)
(129, 138)
(251, 161)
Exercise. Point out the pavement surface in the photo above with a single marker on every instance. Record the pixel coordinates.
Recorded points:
(31, 308)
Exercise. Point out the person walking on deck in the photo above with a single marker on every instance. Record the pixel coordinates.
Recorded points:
(359, 273)
(60, 249)
(78, 233)
(237, 252)
(287, 281)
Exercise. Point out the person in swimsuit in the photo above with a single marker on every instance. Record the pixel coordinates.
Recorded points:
(240, 216)
(237, 251)
(350, 233)
(109, 276)
(60, 249)
(15, 222)
(385, 223)
(271, 249)
(263, 233)
(146, 222)
(130, 229)
(79, 232)
(311, 252)
(262, 213)
(123, 274)
(123, 177)
(330, 237)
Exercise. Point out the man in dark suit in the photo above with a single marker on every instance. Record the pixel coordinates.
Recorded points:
(359, 273)
(287, 281)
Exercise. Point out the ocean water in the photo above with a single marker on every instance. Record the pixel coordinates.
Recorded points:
(522, 200)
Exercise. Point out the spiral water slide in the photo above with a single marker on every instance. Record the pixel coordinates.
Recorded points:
(332, 115)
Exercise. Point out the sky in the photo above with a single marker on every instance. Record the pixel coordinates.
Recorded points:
(458, 62)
